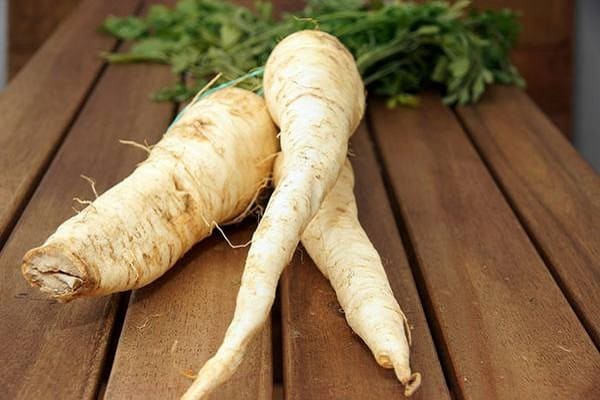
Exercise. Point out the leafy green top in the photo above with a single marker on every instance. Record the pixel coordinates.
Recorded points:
(400, 48)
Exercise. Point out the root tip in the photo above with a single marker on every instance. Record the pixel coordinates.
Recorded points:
(412, 384)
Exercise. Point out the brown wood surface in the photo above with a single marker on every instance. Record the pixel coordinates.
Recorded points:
(51, 350)
(40, 102)
(31, 22)
(554, 191)
(544, 54)
(549, 76)
(546, 23)
(323, 358)
(501, 323)
(176, 324)
(506, 330)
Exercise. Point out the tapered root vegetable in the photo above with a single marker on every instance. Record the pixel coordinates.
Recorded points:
(340, 248)
(207, 168)
(315, 94)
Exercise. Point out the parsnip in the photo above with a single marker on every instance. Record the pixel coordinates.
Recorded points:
(207, 168)
(315, 94)
(341, 249)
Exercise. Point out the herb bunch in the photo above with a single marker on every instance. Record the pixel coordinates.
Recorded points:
(400, 47)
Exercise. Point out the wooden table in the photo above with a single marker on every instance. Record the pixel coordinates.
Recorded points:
(487, 219)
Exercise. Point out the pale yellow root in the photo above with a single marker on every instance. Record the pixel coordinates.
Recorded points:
(339, 246)
(315, 94)
(205, 170)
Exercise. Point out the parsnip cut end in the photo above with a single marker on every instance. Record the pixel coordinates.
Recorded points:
(53, 273)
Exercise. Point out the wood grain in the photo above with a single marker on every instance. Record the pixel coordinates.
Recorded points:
(323, 358)
(41, 101)
(31, 22)
(51, 350)
(554, 191)
(177, 323)
(544, 54)
(506, 330)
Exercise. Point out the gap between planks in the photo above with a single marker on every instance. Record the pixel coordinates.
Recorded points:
(121, 312)
(434, 327)
(46, 367)
(19, 207)
(532, 238)
(180, 344)
(574, 264)
(323, 358)
(10, 225)
(469, 378)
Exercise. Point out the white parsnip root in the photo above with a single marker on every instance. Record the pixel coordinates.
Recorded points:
(206, 169)
(341, 249)
(315, 94)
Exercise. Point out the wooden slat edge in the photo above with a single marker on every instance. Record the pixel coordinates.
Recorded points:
(42, 100)
(553, 190)
(323, 358)
(52, 350)
(505, 327)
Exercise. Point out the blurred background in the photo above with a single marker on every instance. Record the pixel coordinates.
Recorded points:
(558, 54)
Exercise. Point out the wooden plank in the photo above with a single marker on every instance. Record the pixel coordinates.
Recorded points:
(57, 351)
(43, 99)
(505, 327)
(323, 358)
(30, 23)
(176, 324)
(553, 190)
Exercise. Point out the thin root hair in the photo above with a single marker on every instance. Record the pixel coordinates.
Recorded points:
(264, 183)
(216, 225)
(268, 158)
(92, 183)
(147, 148)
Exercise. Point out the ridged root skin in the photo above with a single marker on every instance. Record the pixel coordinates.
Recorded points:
(341, 249)
(315, 94)
(206, 169)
